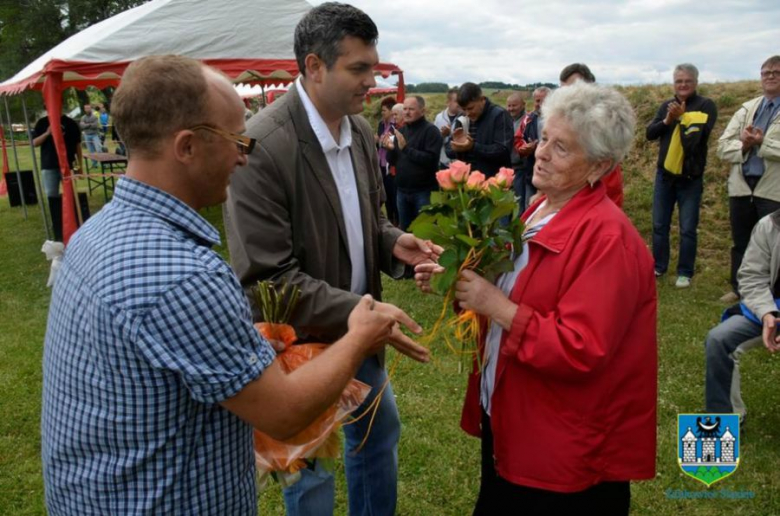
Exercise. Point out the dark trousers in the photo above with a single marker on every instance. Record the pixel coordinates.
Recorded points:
(686, 193)
(744, 212)
(390, 197)
(499, 497)
(410, 202)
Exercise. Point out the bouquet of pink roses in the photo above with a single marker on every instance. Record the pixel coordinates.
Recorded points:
(476, 220)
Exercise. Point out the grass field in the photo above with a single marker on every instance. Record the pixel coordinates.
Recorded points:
(439, 464)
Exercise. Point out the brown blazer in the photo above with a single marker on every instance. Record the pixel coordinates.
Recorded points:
(283, 218)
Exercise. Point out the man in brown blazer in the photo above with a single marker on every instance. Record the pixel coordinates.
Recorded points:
(306, 209)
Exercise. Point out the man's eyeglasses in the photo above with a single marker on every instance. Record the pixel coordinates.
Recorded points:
(245, 144)
(770, 73)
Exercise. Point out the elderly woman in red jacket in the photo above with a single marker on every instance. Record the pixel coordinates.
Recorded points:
(565, 401)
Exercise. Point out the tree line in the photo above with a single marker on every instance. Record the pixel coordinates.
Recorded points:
(30, 28)
(441, 87)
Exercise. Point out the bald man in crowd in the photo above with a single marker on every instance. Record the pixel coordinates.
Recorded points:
(515, 106)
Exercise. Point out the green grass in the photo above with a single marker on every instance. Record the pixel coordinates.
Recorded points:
(439, 464)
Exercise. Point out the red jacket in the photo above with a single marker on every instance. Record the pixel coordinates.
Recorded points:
(575, 394)
(614, 183)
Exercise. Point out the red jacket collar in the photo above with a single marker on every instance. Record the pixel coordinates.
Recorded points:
(557, 233)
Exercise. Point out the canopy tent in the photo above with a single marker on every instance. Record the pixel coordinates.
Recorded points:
(251, 41)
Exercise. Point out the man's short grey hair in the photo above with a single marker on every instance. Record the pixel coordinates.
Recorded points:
(772, 61)
(687, 68)
(601, 117)
(542, 89)
(420, 101)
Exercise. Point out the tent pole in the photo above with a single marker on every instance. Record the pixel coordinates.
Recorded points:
(401, 87)
(38, 187)
(262, 91)
(16, 157)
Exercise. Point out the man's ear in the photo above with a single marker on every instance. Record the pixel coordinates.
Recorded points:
(314, 67)
(184, 146)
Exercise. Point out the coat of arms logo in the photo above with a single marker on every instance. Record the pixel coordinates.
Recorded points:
(708, 446)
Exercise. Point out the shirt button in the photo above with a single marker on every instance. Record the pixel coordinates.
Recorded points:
(252, 358)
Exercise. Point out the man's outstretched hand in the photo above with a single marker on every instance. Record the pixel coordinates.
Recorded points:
(413, 251)
(397, 338)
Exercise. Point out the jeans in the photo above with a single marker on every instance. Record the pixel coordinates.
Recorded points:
(744, 212)
(687, 194)
(372, 473)
(51, 181)
(410, 202)
(94, 145)
(724, 345)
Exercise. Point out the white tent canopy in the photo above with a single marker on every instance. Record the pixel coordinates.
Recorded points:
(249, 40)
(240, 30)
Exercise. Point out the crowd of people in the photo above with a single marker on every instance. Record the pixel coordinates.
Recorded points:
(154, 374)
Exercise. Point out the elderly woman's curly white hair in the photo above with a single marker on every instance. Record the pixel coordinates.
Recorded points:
(601, 117)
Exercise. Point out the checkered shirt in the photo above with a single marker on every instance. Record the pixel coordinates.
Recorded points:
(148, 331)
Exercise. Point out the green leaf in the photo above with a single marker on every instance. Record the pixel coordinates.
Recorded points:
(484, 214)
(503, 234)
(449, 258)
(449, 227)
(468, 240)
(492, 270)
(501, 266)
(498, 196)
(471, 216)
(502, 210)
(433, 209)
(442, 283)
(426, 231)
(424, 217)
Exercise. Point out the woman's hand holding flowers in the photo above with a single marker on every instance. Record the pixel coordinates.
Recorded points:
(475, 293)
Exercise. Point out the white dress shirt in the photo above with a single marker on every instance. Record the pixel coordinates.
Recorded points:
(340, 162)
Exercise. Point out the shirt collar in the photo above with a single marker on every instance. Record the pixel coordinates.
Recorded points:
(320, 128)
(558, 232)
(775, 101)
(165, 206)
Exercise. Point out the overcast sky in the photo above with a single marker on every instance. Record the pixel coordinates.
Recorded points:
(623, 41)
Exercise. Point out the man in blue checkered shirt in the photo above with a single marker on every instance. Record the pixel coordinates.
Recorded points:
(153, 372)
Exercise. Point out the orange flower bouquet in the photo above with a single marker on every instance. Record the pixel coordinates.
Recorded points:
(476, 220)
(320, 440)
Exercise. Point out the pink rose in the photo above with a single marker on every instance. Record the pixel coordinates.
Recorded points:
(475, 181)
(459, 171)
(505, 177)
(444, 177)
(493, 181)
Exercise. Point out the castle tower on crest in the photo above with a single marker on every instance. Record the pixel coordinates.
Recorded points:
(727, 446)
(689, 446)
